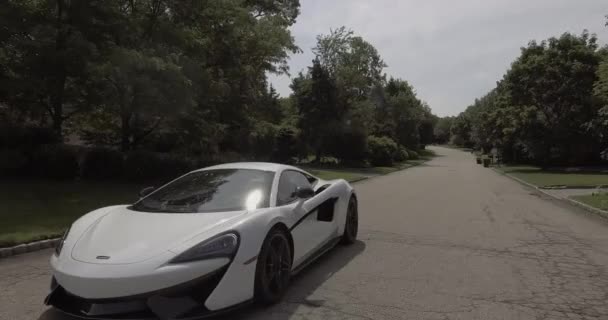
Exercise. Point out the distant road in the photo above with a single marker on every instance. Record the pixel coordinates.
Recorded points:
(445, 240)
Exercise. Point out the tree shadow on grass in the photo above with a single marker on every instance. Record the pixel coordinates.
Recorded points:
(302, 286)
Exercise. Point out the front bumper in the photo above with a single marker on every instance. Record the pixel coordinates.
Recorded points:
(103, 281)
(184, 301)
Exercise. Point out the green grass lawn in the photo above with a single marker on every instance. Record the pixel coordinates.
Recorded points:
(36, 209)
(451, 146)
(33, 210)
(352, 174)
(356, 174)
(327, 174)
(599, 201)
(557, 177)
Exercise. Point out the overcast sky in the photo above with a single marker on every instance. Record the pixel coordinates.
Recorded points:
(450, 51)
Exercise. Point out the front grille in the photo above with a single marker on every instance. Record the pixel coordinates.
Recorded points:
(128, 309)
(179, 302)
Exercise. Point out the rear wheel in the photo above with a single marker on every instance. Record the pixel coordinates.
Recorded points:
(351, 226)
(273, 269)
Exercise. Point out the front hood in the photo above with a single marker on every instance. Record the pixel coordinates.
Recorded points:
(123, 236)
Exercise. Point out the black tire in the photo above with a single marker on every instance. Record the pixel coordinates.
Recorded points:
(351, 226)
(273, 268)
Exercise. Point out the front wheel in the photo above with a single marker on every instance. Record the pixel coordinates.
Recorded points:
(273, 269)
(351, 227)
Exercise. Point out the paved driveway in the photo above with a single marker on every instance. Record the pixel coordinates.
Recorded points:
(446, 240)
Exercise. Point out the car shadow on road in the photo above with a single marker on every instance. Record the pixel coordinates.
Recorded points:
(302, 286)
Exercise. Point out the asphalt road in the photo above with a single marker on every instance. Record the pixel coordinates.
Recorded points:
(446, 240)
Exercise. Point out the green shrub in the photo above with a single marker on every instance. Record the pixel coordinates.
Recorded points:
(152, 166)
(401, 155)
(12, 162)
(426, 153)
(349, 145)
(328, 161)
(413, 155)
(262, 140)
(102, 163)
(55, 161)
(457, 140)
(286, 144)
(381, 150)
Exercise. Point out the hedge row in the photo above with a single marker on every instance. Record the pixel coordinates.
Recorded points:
(59, 161)
(384, 151)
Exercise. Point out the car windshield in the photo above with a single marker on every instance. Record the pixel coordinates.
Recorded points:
(211, 191)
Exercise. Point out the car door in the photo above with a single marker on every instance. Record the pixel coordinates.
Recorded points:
(312, 219)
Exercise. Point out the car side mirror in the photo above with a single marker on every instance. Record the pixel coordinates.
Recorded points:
(146, 191)
(304, 192)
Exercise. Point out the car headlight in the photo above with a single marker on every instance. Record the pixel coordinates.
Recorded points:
(222, 246)
(59, 246)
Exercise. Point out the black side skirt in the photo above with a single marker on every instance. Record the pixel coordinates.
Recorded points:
(316, 254)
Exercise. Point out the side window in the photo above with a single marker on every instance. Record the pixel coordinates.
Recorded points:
(312, 180)
(289, 182)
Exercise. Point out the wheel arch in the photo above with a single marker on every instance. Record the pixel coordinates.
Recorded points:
(281, 226)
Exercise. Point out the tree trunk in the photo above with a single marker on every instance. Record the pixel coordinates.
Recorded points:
(318, 155)
(125, 142)
(57, 116)
(57, 102)
(59, 76)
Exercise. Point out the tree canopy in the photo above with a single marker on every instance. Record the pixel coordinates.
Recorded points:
(190, 78)
(547, 108)
(345, 99)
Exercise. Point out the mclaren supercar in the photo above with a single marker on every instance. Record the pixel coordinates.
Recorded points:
(206, 242)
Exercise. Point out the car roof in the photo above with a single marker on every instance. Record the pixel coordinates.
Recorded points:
(265, 166)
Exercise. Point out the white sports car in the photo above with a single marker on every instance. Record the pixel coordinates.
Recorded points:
(207, 242)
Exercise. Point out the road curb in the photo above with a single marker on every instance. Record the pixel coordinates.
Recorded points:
(28, 247)
(520, 181)
(570, 187)
(359, 179)
(367, 178)
(601, 213)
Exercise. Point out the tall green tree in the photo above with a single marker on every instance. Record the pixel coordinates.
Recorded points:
(461, 130)
(442, 129)
(401, 116)
(141, 92)
(556, 77)
(47, 49)
(232, 45)
(599, 125)
(544, 108)
(316, 100)
(352, 61)
(427, 125)
(191, 76)
(59, 59)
